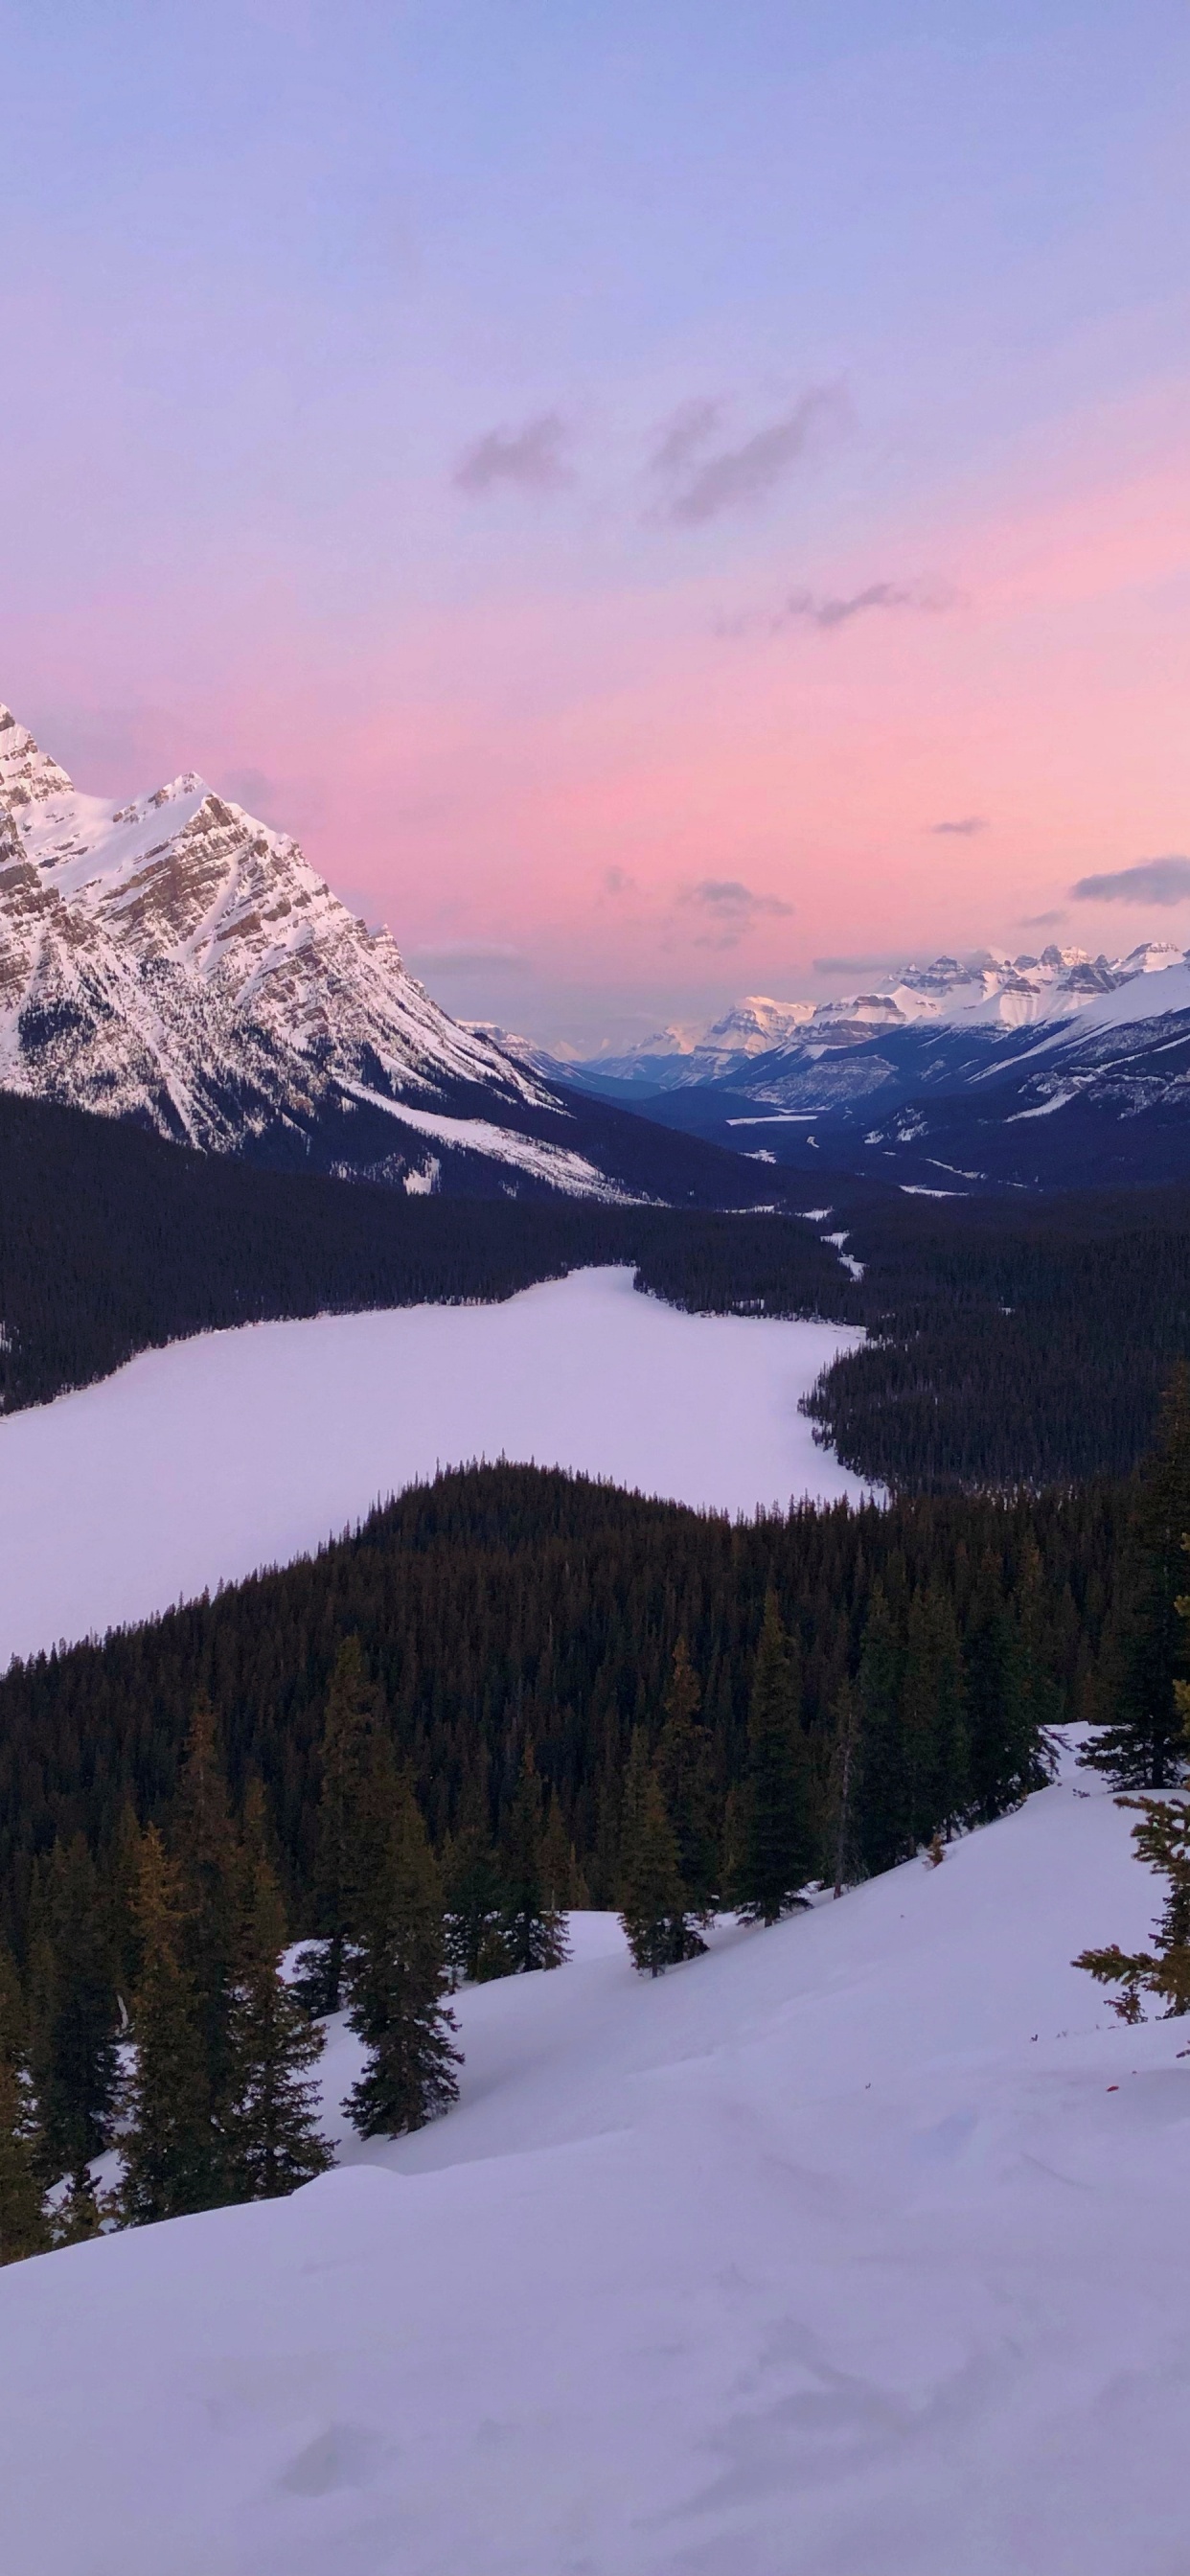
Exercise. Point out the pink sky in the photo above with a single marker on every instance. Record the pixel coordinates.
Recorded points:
(616, 578)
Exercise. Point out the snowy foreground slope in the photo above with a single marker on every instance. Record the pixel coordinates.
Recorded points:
(197, 1464)
(832, 2254)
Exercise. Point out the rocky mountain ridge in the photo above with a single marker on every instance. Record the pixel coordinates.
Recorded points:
(175, 962)
(994, 992)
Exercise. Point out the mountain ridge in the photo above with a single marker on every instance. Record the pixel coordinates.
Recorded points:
(172, 961)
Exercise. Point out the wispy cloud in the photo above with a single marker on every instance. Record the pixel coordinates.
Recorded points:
(884, 965)
(734, 477)
(807, 607)
(964, 828)
(1150, 881)
(730, 908)
(827, 611)
(686, 431)
(532, 458)
(617, 881)
(1041, 920)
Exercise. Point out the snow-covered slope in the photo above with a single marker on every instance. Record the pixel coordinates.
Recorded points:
(856, 2248)
(172, 960)
(197, 1464)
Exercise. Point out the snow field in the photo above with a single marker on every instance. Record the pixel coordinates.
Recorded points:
(193, 1466)
(830, 2254)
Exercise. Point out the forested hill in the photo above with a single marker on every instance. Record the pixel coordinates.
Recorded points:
(506, 1607)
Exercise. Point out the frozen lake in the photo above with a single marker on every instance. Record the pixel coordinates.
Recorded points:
(194, 1465)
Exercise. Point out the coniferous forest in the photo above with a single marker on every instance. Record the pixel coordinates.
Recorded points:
(516, 1692)
(513, 1692)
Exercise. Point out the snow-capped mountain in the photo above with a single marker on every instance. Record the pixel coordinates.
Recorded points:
(939, 1079)
(173, 961)
(993, 992)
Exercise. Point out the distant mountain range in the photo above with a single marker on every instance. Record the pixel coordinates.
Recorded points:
(173, 962)
(1026, 1072)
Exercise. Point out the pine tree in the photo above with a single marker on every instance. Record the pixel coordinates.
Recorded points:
(651, 1891)
(686, 1771)
(349, 1731)
(843, 1788)
(933, 1717)
(775, 1852)
(400, 1977)
(74, 2013)
(1141, 1745)
(273, 2044)
(534, 1930)
(79, 2213)
(558, 1866)
(1162, 1840)
(174, 2161)
(883, 1834)
(203, 1841)
(24, 2226)
(474, 1944)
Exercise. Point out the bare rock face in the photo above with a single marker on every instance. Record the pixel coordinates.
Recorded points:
(173, 961)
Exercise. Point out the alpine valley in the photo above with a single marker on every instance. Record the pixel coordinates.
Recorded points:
(1039, 1072)
(174, 963)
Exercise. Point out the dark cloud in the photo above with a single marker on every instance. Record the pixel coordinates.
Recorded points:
(1150, 881)
(965, 828)
(532, 458)
(731, 908)
(736, 476)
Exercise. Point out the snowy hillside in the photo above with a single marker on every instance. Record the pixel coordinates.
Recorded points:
(856, 2248)
(196, 1464)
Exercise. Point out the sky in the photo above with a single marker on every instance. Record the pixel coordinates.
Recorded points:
(667, 500)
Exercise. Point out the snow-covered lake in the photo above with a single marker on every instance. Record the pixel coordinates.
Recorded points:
(857, 2248)
(194, 1465)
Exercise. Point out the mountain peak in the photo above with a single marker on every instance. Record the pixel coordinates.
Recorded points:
(28, 776)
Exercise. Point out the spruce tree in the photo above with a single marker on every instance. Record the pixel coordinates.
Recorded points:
(203, 1841)
(1162, 1840)
(933, 1718)
(174, 2160)
(474, 1944)
(1141, 1744)
(273, 2044)
(843, 1788)
(882, 1816)
(400, 1975)
(348, 1737)
(651, 1891)
(686, 1771)
(775, 1851)
(24, 2225)
(534, 1930)
(559, 1869)
(74, 2013)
